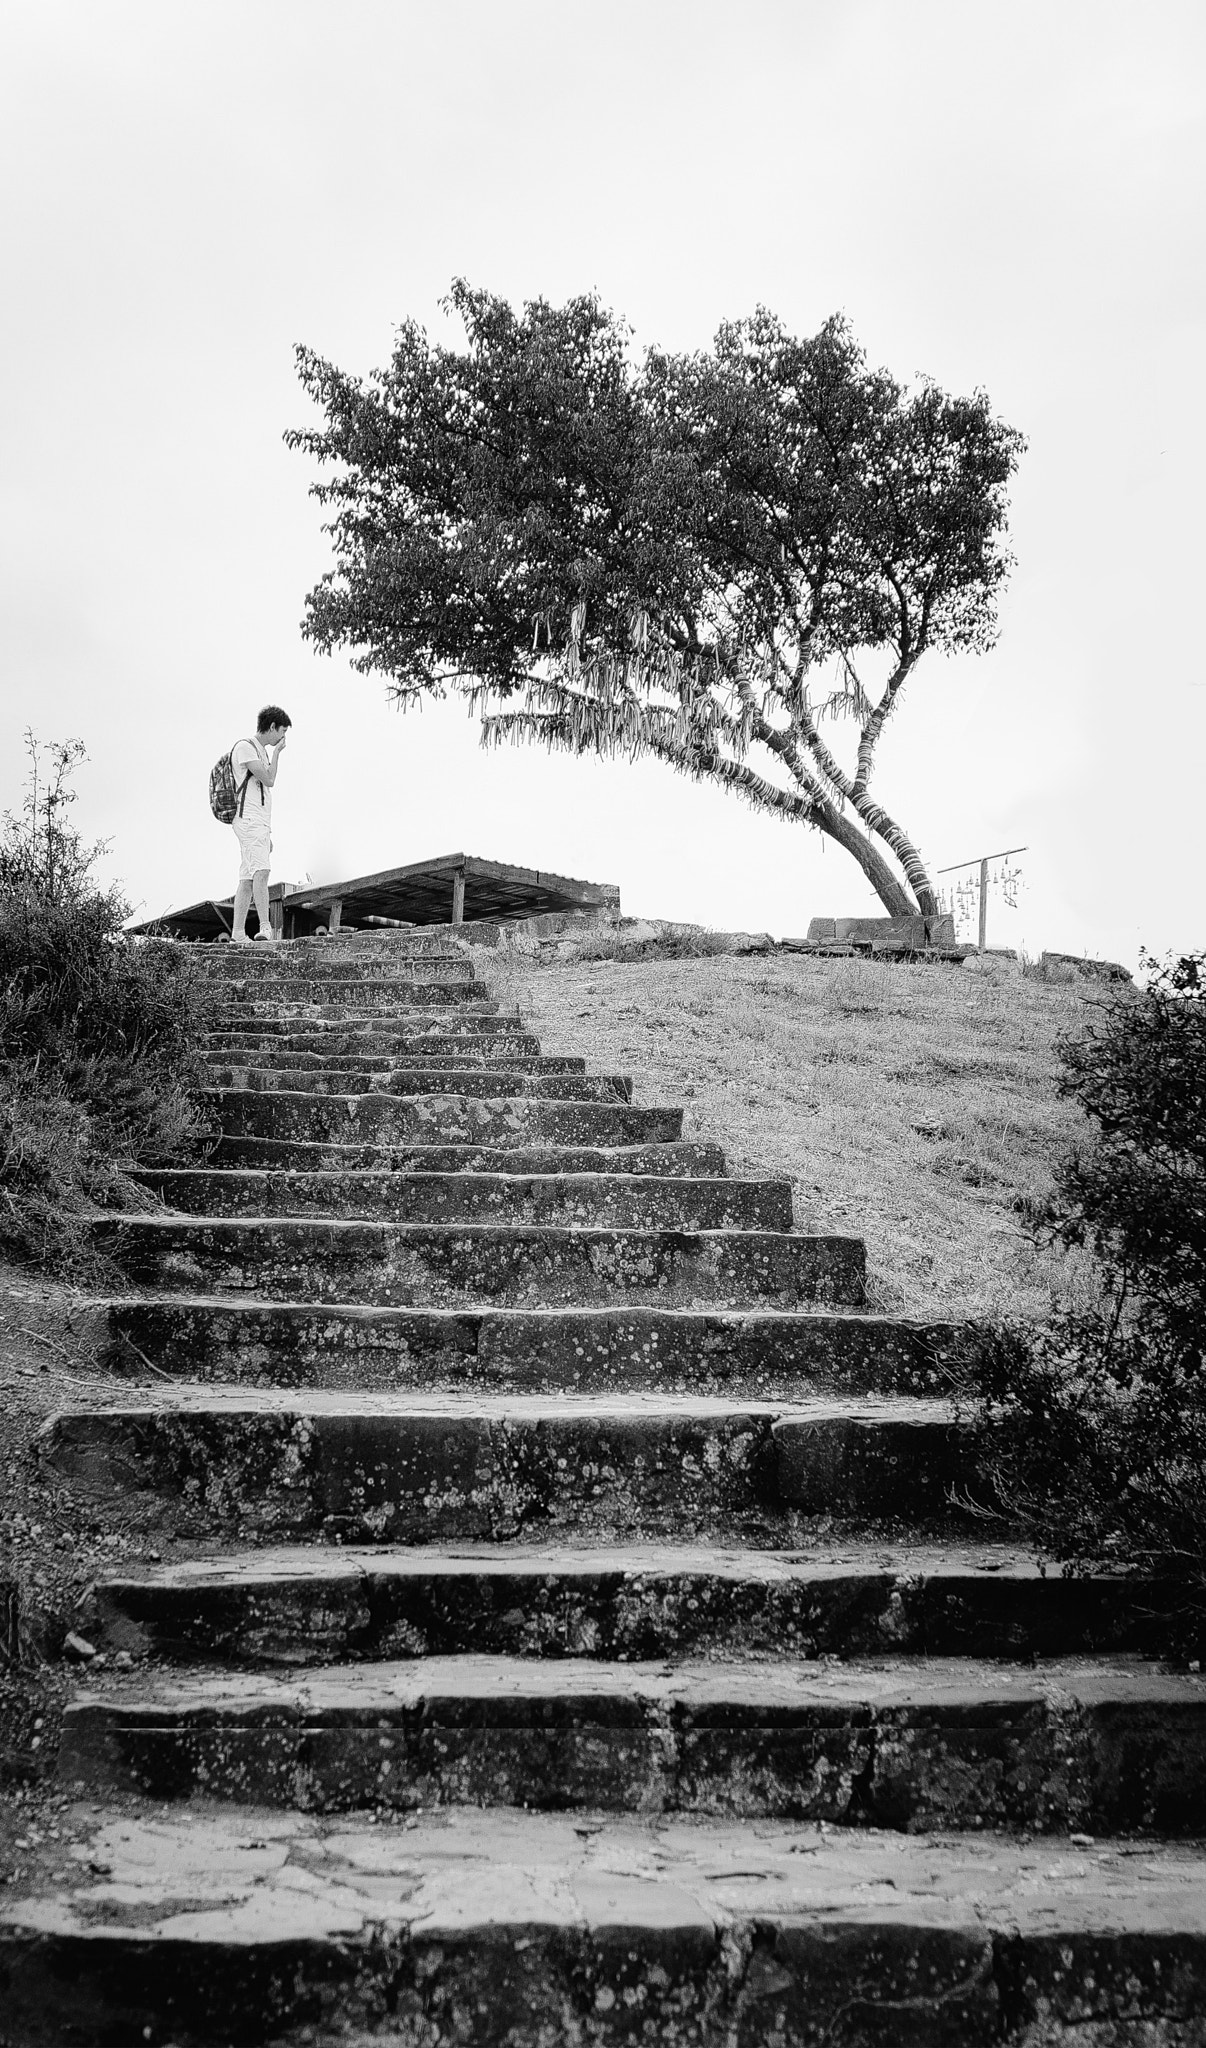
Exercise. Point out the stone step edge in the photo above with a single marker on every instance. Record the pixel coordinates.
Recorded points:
(200, 1397)
(465, 1188)
(406, 1083)
(756, 1351)
(928, 1328)
(620, 1602)
(493, 1686)
(754, 1931)
(387, 1176)
(183, 1224)
(496, 1022)
(1055, 1748)
(335, 1156)
(298, 1096)
(410, 1469)
(449, 1059)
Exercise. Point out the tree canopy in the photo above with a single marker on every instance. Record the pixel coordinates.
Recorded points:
(706, 558)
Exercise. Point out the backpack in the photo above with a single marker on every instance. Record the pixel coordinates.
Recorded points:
(226, 799)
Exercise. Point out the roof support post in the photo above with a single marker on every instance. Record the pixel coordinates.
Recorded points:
(458, 896)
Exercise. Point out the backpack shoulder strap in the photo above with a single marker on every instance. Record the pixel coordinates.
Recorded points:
(246, 782)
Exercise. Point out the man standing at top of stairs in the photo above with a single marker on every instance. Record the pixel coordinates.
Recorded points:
(255, 763)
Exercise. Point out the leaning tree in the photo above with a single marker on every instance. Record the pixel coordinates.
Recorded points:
(706, 558)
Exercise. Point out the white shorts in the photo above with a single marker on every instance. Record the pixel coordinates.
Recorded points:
(255, 845)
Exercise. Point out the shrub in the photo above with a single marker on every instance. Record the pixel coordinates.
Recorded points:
(98, 1068)
(1097, 1422)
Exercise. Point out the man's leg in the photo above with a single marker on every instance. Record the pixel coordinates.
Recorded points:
(242, 904)
(259, 889)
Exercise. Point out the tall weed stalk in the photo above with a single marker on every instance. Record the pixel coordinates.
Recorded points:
(99, 1067)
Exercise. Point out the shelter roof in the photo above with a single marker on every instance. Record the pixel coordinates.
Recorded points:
(453, 888)
(423, 892)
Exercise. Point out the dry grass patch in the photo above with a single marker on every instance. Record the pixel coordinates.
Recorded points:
(912, 1105)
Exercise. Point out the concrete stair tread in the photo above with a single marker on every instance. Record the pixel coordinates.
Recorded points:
(727, 1321)
(273, 1033)
(301, 1096)
(383, 1057)
(892, 1563)
(286, 965)
(456, 1156)
(369, 994)
(291, 972)
(619, 1599)
(243, 1876)
(422, 1468)
(499, 1120)
(476, 1261)
(487, 1083)
(424, 999)
(367, 1193)
(252, 1059)
(452, 1023)
(202, 1397)
(285, 995)
(181, 1222)
(762, 1353)
(503, 1176)
(1099, 1745)
(495, 1683)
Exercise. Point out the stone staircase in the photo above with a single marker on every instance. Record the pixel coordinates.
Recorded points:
(572, 1635)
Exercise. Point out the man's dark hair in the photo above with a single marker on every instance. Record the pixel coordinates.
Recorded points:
(272, 715)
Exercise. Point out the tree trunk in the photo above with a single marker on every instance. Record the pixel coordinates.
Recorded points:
(876, 819)
(891, 892)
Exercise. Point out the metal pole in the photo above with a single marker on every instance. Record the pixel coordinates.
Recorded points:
(1004, 855)
(983, 903)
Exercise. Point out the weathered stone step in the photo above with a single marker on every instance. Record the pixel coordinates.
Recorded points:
(358, 998)
(522, 1930)
(284, 964)
(492, 1083)
(319, 1603)
(406, 1264)
(418, 1469)
(293, 980)
(684, 1160)
(620, 1200)
(429, 1030)
(1110, 1745)
(456, 1053)
(743, 1354)
(439, 1006)
(430, 1118)
(380, 941)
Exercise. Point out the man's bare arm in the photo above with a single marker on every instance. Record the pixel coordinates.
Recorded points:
(257, 770)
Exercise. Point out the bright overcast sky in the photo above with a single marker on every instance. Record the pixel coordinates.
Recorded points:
(1007, 195)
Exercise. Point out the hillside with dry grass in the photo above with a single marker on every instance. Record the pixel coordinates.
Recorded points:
(913, 1105)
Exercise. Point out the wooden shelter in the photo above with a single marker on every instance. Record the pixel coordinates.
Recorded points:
(455, 888)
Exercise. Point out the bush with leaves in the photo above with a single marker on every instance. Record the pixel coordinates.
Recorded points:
(98, 1033)
(1096, 1424)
